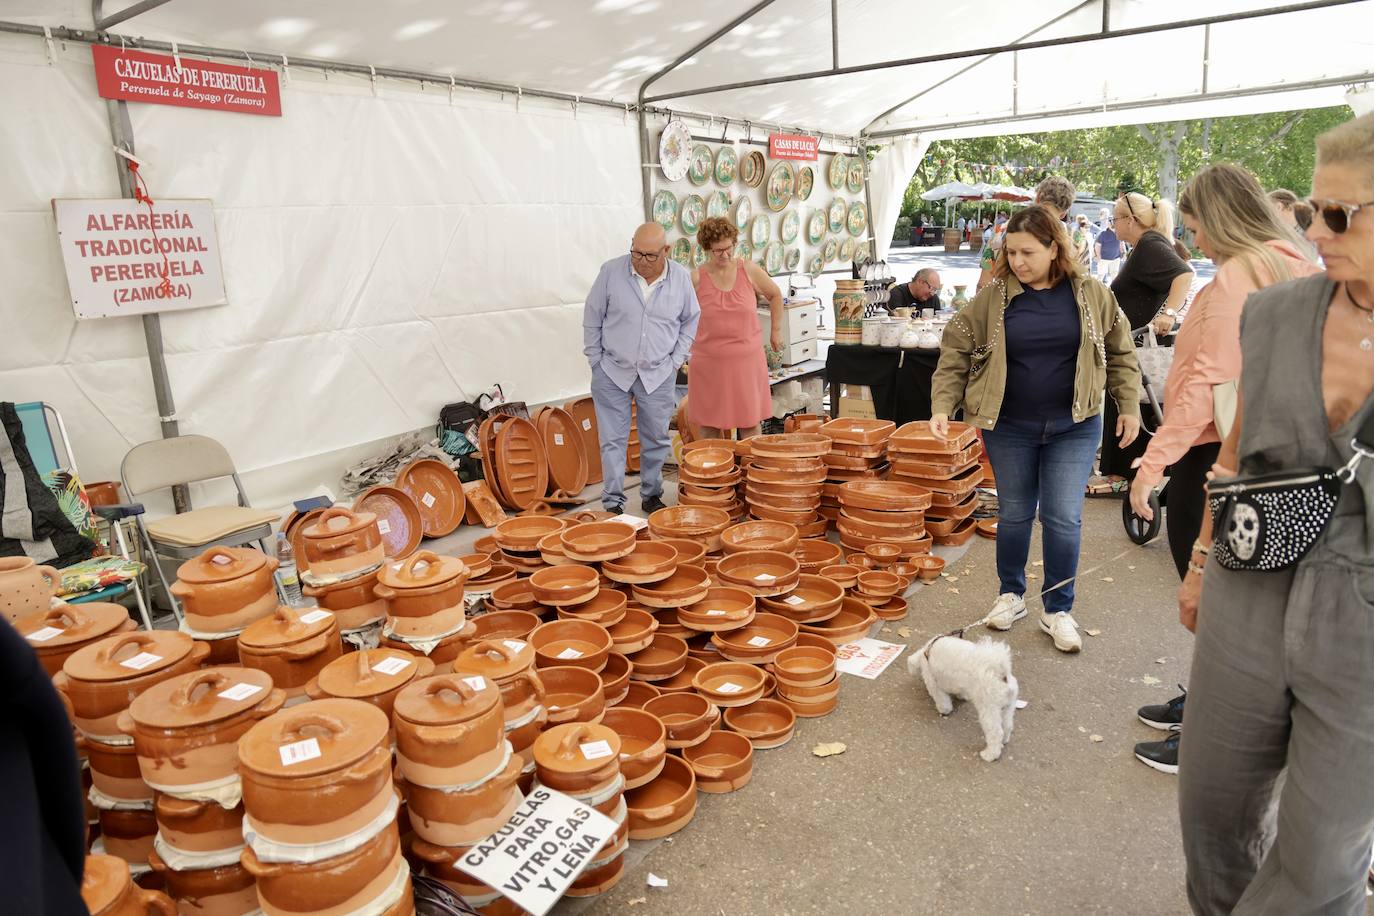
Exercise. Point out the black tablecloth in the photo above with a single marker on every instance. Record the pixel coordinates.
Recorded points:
(898, 379)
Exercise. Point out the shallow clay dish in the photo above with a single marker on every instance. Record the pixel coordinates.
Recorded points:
(878, 584)
(847, 576)
(858, 430)
(760, 535)
(571, 642)
(895, 608)
(853, 622)
(664, 805)
(598, 541)
(790, 445)
(759, 642)
(638, 694)
(707, 463)
(804, 666)
(798, 517)
(615, 678)
(583, 413)
(438, 495)
(516, 595)
(650, 561)
(522, 535)
(689, 552)
(766, 723)
(633, 632)
(722, 763)
(722, 609)
(813, 553)
(682, 681)
(813, 477)
(565, 449)
(987, 527)
(762, 572)
(687, 584)
(916, 437)
(884, 494)
(960, 535)
(697, 523)
(514, 625)
(664, 657)
(522, 467)
(813, 595)
(689, 717)
(730, 683)
(398, 519)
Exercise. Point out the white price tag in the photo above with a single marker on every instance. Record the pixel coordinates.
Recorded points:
(569, 653)
(514, 645)
(729, 687)
(760, 641)
(715, 612)
(428, 500)
(383, 526)
(316, 616)
(709, 464)
(393, 665)
(595, 750)
(299, 752)
(240, 691)
(794, 600)
(557, 438)
(476, 682)
(587, 424)
(765, 577)
(44, 634)
(141, 660)
(220, 559)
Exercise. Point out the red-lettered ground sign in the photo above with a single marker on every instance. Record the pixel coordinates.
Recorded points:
(792, 146)
(136, 76)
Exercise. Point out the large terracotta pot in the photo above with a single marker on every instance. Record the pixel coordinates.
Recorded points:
(316, 772)
(128, 833)
(375, 676)
(186, 730)
(115, 771)
(108, 889)
(425, 596)
(293, 646)
(102, 679)
(228, 890)
(341, 884)
(58, 633)
(353, 601)
(450, 730)
(461, 817)
(198, 826)
(25, 587)
(226, 588)
(342, 541)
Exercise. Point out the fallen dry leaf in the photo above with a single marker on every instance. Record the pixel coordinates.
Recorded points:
(637, 901)
(1082, 729)
(885, 630)
(1093, 632)
(904, 632)
(1095, 739)
(954, 590)
(1108, 579)
(1161, 661)
(953, 579)
(829, 750)
(1149, 680)
(1130, 567)
(1022, 704)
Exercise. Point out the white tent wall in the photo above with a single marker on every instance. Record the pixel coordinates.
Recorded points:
(383, 255)
(889, 174)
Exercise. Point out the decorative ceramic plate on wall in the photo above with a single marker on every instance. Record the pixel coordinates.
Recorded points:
(761, 257)
(665, 209)
(854, 178)
(758, 232)
(857, 220)
(751, 169)
(806, 178)
(815, 265)
(815, 227)
(698, 255)
(727, 165)
(718, 204)
(839, 168)
(773, 258)
(674, 150)
(860, 254)
(831, 250)
(744, 209)
(701, 164)
(838, 211)
(782, 182)
(743, 250)
(682, 252)
(847, 250)
(792, 260)
(789, 226)
(693, 212)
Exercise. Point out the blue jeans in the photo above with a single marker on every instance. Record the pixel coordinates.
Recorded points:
(1045, 466)
(613, 426)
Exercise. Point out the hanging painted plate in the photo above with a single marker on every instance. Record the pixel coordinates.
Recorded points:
(792, 260)
(861, 254)
(698, 255)
(782, 182)
(836, 219)
(773, 259)
(682, 252)
(839, 167)
(718, 204)
(751, 169)
(847, 250)
(806, 177)
(854, 178)
(758, 231)
(831, 250)
(789, 226)
(665, 209)
(761, 256)
(699, 168)
(744, 209)
(693, 212)
(674, 150)
(742, 249)
(727, 166)
(815, 227)
(815, 266)
(857, 221)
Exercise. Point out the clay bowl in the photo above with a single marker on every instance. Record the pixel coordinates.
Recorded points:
(814, 693)
(782, 502)
(504, 625)
(668, 625)
(598, 541)
(709, 462)
(664, 657)
(791, 465)
(615, 678)
(790, 446)
(892, 609)
(579, 643)
(607, 608)
(697, 523)
(846, 576)
(853, 622)
(761, 572)
(573, 694)
(694, 495)
(812, 554)
(987, 527)
(522, 535)
(497, 574)
(664, 805)
(883, 554)
(724, 608)
(699, 646)
(563, 586)
(682, 681)
(809, 710)
(812, 641)
(722, 763)
(799, 517)
(759, 642)
(634, 632)
(880, 584)
(688, 717)
(650, 561)
(730, 683)
(766, 723)
(515, 595)
(478, 564)
(928, 568)
(861, 560)
(643, 743)
(804, 666)
(765, 475)
(686, 585)
(790, 491)
(728, 479)
(689, 553)
(551, 550)
(696, 444)
(638, 693)
(813, 595)
(760, 535)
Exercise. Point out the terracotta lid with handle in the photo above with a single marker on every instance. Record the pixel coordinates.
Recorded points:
(313, 738)
(496, 658)
(423, 569)
(447, 699)
(576, 748)
(338, 520)
(201, 697)
(287, 626)
(128, 655)
(71, 624)
(221, 564)
(368, 673)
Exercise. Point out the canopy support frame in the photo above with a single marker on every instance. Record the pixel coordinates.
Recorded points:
(102, 23)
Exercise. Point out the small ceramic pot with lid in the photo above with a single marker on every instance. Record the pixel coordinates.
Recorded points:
(510, 663)
(423, 594)
(58, 633)
(450, 730)
(186, 730)
(102, 679)
(343, 542)
(375, 676)
(108, 889)
(316, 773)
(293, 646)
(579, 758)
(226, 588)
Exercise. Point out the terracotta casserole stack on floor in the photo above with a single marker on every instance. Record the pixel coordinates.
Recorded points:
(709, 475)
(858, 451)
(425, 609)
(785, 477)
(950, 470)
(222, 592)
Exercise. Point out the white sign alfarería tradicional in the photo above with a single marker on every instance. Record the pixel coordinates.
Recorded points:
(124, 258)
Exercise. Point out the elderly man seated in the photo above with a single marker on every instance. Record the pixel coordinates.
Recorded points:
(922, 292)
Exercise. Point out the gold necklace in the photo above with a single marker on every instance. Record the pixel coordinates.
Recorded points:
(1366, 343)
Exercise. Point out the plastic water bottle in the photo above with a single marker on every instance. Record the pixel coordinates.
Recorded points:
(288, 582)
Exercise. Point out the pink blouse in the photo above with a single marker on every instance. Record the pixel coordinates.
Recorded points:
(1207, 353)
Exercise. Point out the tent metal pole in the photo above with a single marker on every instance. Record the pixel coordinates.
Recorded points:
(105, 22)
(1002, 49)
(835, 33)
(1106, 16)
(1206, 56)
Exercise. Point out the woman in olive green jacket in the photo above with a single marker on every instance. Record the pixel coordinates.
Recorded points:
(1028, 361)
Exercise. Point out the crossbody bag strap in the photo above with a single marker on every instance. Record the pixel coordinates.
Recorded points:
(1363, 446)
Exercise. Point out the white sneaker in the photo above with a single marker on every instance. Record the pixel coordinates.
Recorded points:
(1007, 610)
(1063, 629)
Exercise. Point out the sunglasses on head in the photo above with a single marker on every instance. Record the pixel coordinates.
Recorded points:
(1335, 214)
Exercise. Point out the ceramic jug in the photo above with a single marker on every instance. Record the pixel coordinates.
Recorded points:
(960, 298)
(25, 587)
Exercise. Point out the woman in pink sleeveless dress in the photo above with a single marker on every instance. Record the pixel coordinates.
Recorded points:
(727, 378)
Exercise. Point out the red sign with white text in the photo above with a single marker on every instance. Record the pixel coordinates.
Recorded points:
(792, 146)
(137, 76)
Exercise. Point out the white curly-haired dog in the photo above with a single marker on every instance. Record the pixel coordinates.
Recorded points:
(979, 672)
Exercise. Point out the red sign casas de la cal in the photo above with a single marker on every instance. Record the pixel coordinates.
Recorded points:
(793, 146)
(137, 76)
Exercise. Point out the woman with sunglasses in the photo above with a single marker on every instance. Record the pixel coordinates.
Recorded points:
(1276, 801)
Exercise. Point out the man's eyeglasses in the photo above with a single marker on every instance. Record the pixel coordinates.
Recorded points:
(650, 257)
(1335, 214)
